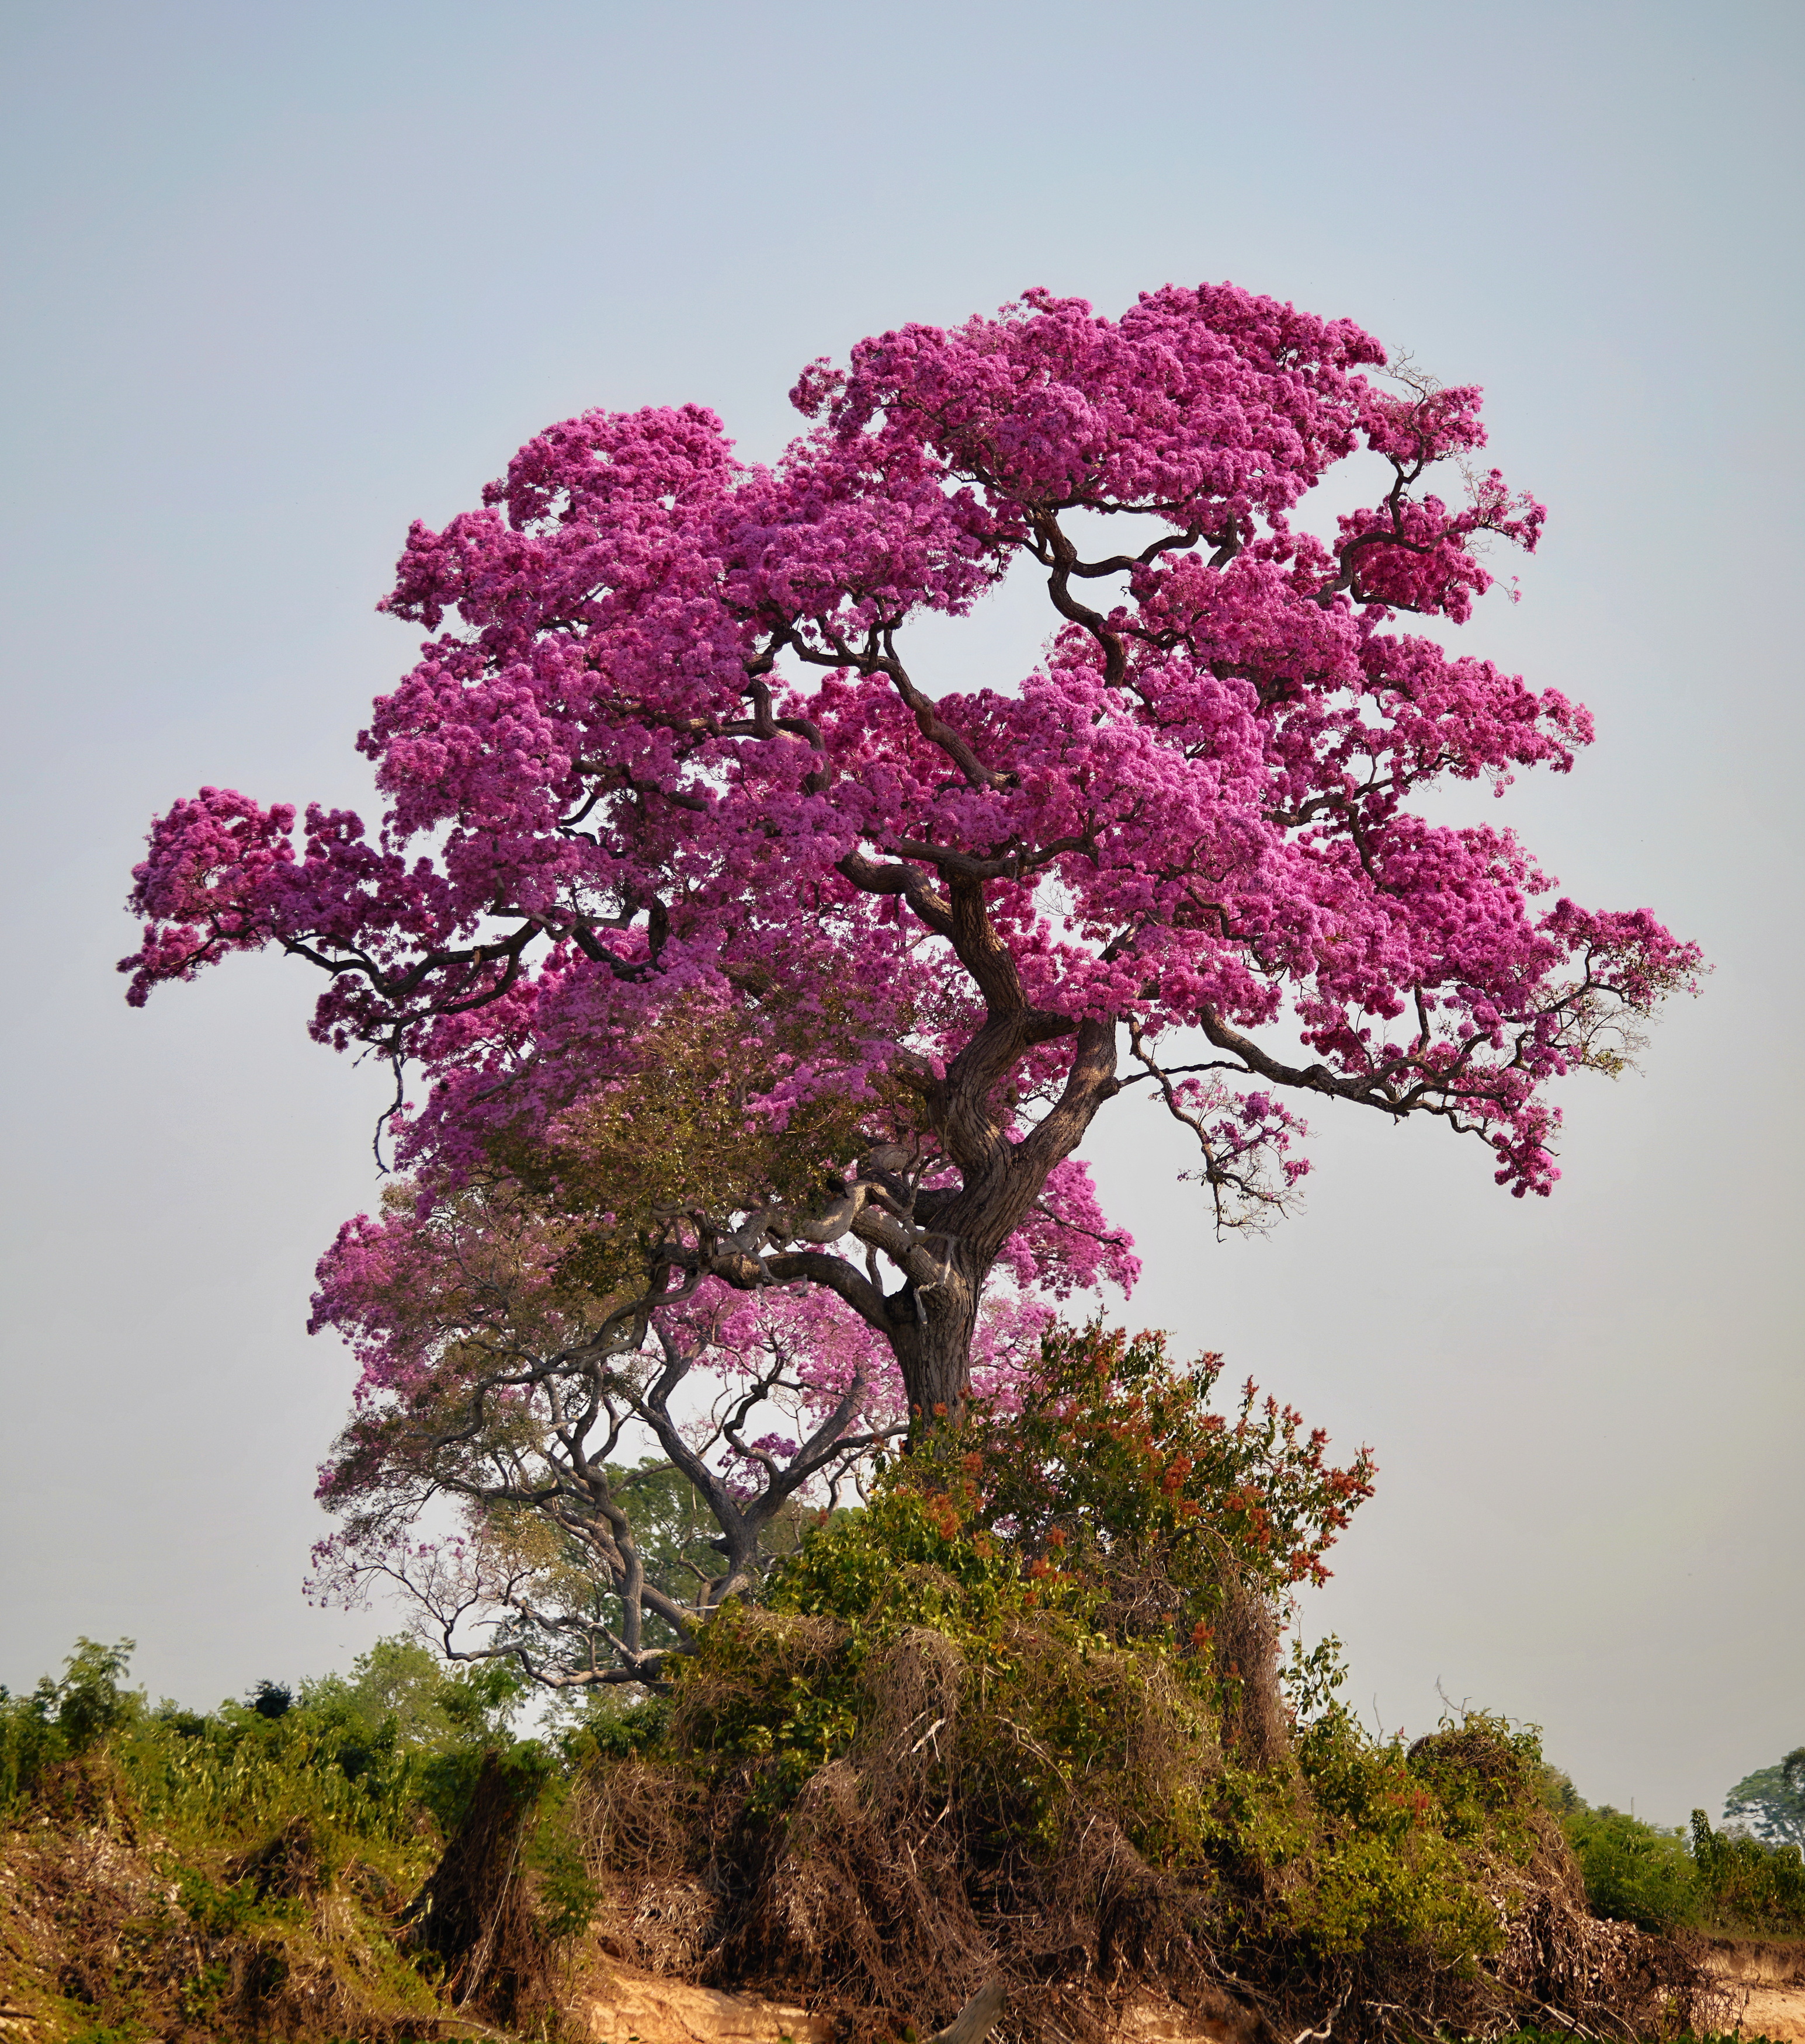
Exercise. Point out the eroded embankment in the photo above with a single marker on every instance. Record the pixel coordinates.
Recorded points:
(92, 1936)
(1763, 1989)
(104, 1932)
(1764, 1982)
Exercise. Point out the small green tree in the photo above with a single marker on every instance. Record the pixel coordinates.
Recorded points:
(1749, 1886)
(61, 1719)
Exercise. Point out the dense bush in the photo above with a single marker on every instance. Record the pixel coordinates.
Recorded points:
(1065, 1714)
(1634, 1872)
(61, 1719)
(275, 1851)
(1026, 1709)
(1747, 1884)
(1023, 1710)
(1726, 1882)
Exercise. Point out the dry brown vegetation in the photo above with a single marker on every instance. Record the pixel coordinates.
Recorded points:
(108, 1936)
(872, 1897)
(1019, 1721)
(884, 1891)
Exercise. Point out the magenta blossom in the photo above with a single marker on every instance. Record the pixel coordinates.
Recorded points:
(665, 752)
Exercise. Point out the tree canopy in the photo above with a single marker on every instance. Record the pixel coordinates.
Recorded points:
(1770, 1803)
(668, 770)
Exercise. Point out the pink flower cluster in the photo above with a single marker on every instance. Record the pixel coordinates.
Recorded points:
(663, 742)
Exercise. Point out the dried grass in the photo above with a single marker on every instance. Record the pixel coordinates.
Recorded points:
(879, 1893)
(1609, 1980)
(96, 1934)
(892, 1887)
(475, 1911)
(644, 1832)
(1247, 1652)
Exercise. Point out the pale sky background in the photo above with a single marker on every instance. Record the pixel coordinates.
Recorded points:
(277, 279)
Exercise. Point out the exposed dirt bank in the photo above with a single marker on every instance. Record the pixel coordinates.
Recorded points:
(92, 1931)
(1766, 1982)
(619, 2004)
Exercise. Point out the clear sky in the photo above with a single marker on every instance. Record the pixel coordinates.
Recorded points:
(278, 280)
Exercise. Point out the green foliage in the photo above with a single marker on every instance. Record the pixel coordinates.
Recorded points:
(1726, 1881)
(1312, 1675)
(1770, 1803)
(446, 1780)
(1746, 1884)
(1042, 1637)
(60, 1720)
(400, 1693)
(1635, 1873)
(89, 1702)
(1558, 1793)
(672, 1524)
(482, 1701)
(215, 1910)
(917, 1555)
(616, 1727)
(672, 1528)
(397, 1680)
(1402, 1836)
(239, 1774)
(1103, 1533)
(286, 1841)
(30, 1746)
(1066, 1717)
(566, 1897)
(604, 1197)
(1483, 1774)
(787, 1688)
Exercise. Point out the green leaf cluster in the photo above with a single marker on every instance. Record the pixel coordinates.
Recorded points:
(1634, 1872)
(1727, 1882)
(1349, 1851)
(60, 1720)
(1748, 1885)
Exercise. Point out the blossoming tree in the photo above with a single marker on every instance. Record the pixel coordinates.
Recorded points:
(667, 761)
(484, 1388)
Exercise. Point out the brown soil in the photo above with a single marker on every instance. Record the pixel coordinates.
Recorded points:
(615, 2003)
(1764, 1981)
(618, 2004)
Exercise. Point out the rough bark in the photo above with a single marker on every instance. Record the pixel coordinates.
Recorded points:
(931, 1329)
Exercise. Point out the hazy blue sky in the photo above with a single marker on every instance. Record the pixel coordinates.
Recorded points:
(279, 279)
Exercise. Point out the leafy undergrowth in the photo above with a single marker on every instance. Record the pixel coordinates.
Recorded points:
(877, 1805)
(268, 1870)
(1720, 1883)
(1022, 1715)
(901, 1776)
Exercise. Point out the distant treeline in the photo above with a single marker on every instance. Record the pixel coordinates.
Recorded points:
(1730, 1881)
